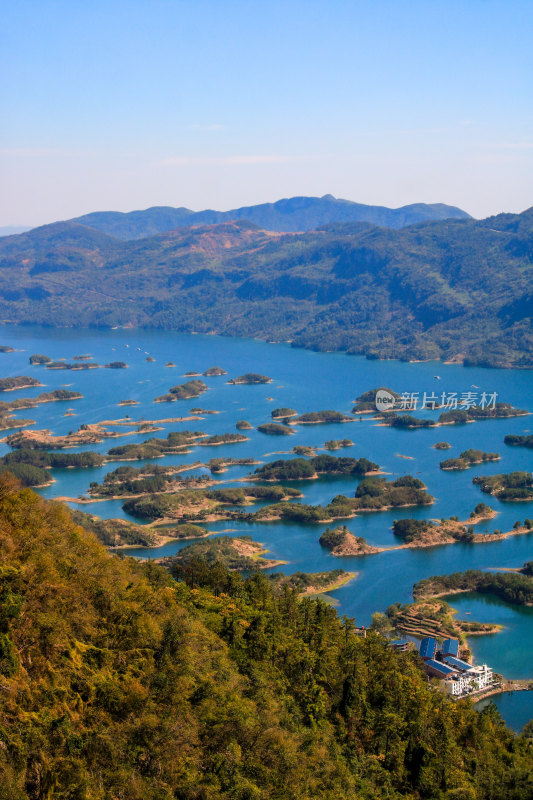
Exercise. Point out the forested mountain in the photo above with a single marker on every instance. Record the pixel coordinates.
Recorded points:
(292, 214)
(117, 681)
(447, 289)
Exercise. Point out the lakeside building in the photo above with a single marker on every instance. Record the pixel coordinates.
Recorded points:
(458, 677)
(400, 645)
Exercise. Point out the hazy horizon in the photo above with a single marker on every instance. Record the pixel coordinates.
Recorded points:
(125, 106)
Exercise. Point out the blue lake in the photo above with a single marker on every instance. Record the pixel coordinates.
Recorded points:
(306, 381)
(515, 707)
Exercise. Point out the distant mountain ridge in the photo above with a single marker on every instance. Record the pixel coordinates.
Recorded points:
(458, 289)
(290, 215)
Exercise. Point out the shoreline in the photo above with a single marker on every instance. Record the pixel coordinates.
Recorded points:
(444, 360)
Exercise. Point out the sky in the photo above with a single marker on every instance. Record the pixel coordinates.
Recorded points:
(127, 104)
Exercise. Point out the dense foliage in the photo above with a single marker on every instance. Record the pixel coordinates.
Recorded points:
(251, 378)
(183, 391)
(345, 287)
(275, 429)
(459, 415)
(41, 458)
(519, 441)
(515, 587)
(467, 458)
(409, 530)
(39, 358)
(17, 382)
(175, 442)
(510, 486)
(323, 416)
(299, 468)
(27, 474)
(225, 438)
(118, 682)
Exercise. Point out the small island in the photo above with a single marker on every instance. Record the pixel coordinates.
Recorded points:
(321, 417)
(37, 359)
(305, 469)
(275, 429)
(45, 460)
(341, 542)
(512, 586)
(467, 459)
(56, 395)
(120, 533)
(239, 553)
(9, 422)
(512, 486)
(435, 618)
(131, 482)
(116, 365)
(243, 425)
(405, 421)
(214, 372)
(442, 446)
(519, 441)
(175, 442)
(304, 450)
(250, 378)
(224, 438)
(283, 413)
(220, 465)
(4, 348)
(28, 475)
(207, 505)
(128, 403)
(337, 444)
(18, 382)
(373, 494)
(170, 364)
(366, 402)
(312, 584)
(44, 440)
(183, 391)
(65, 365)
(500, 411)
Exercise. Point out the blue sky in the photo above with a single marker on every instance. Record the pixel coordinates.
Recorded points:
(204, 103)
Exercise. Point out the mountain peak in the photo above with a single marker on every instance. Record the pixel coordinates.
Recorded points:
(291, 214)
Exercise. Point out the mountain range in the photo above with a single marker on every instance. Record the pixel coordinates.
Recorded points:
(458, 289)
(293, 214)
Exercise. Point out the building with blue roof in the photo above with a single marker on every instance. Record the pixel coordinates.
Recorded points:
(450, 647)
(458, 677)
(437, 669)
(428, 647)
(456, 663)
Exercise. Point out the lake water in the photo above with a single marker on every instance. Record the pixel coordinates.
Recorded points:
(515, 707)
(305, 381)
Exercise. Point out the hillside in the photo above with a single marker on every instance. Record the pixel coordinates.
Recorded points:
(447, 289)
(292, 214)
(118, 682)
